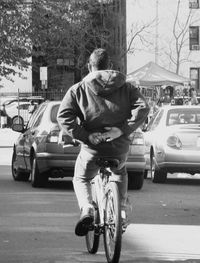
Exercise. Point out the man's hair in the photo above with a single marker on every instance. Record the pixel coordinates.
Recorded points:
(99, 59)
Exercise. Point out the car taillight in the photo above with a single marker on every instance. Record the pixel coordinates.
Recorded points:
(174, 142)
(137, 138)
(53, 136)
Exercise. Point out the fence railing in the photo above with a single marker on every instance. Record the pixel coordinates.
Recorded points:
(46, 95)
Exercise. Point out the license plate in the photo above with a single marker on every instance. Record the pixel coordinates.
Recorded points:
(198, 142)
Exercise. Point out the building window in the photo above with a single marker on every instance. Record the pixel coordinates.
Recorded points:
(194, 38)
(194, 76)
(193, 4)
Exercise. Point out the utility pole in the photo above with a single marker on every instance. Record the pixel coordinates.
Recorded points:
(156, 34)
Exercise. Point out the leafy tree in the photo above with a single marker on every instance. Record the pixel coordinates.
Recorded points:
(15, 46)
(68, 30)
(48, 30)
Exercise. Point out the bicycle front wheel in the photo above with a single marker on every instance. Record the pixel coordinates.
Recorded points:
(93, 236)
(113, 225)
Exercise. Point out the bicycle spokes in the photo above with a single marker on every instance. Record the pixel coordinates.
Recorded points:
(112, 233)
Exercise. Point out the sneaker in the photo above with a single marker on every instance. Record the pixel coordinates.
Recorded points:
(124, 219)
(86, 219)
(125, 212)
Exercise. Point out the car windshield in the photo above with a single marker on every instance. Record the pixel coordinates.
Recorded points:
(183, 116)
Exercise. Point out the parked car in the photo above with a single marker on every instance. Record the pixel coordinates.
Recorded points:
(136, 162)
(43, 151)
(172, 142)
(21, 108)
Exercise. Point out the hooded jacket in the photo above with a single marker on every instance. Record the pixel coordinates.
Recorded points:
(101, 99)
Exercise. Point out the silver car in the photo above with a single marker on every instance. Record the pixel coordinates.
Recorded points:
(42, 151)
(172, 142)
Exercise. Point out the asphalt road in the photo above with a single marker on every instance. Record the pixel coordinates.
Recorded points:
(37, 225)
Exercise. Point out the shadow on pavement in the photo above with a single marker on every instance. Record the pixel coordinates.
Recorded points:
(59, 184)
(181, 181)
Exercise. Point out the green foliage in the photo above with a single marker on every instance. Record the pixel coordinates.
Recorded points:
(48, 30)
(15, 45)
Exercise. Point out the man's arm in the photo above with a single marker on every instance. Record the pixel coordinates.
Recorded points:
(67, 117)
(138, 116)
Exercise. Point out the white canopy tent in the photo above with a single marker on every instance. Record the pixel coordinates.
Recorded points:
(152, 74)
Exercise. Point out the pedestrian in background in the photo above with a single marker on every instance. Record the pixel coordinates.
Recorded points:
(193, 100)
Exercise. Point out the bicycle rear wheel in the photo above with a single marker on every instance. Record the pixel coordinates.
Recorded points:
(113, 225)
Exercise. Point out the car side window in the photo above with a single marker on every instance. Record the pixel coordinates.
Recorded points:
(23, 106)
(54, 113)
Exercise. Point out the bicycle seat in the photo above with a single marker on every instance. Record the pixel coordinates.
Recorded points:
(107, 162)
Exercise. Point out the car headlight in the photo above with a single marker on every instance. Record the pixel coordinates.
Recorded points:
(174, 142)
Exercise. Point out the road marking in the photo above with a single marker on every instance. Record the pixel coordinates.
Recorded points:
(42, 214)
(172, 242)
(147, 242)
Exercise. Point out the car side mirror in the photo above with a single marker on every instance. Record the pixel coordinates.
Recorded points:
(144, 128)
(17, 124)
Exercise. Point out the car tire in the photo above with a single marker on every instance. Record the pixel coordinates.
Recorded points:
(135, 180)
(145, 174)
(17, 174)
(160, 176)
(157, 175)
(37, 179)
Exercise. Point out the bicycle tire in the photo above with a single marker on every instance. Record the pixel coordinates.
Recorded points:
(113, 224)
(93, 236)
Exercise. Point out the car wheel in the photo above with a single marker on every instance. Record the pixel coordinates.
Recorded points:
(145, 174)
(135, 180)
(37, 179)
(157, 175)
(18, 175)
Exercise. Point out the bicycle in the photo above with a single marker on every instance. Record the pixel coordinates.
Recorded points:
(107, 212)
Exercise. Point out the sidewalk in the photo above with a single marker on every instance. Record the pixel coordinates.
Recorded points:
(7, 137)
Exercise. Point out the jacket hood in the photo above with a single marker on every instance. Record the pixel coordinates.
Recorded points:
(103, 82)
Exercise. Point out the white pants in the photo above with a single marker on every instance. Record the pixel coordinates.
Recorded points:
(85, 170)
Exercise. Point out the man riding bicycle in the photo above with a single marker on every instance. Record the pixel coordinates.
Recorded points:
(97, 111)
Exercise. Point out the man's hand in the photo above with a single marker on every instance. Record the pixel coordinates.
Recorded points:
(95, 138)
(111, 134)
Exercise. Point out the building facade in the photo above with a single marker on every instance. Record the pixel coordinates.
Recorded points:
(194, 45)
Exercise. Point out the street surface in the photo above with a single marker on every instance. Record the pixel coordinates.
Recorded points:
(37, 225)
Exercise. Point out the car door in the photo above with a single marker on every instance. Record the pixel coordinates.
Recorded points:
(31, 133)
